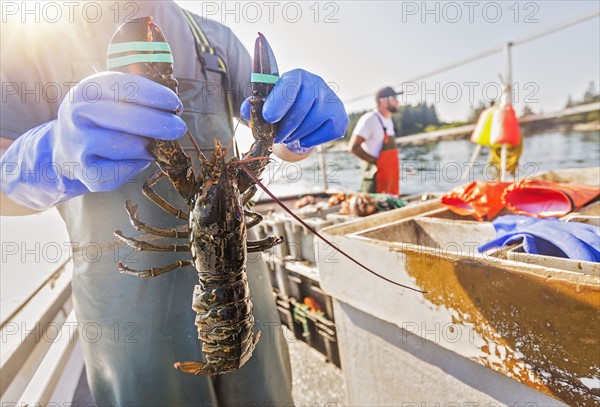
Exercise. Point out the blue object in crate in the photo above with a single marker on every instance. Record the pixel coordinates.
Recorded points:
(548, 237)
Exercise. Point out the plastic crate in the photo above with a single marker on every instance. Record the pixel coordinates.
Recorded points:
(317, 331)
(281, 277)
(304, 282)
(336, 218)
(296, 286)
(284, 309)
(328, 336)
(299, 240)
(324, 300)
(293, 236)
(307, 247)
(272, 275)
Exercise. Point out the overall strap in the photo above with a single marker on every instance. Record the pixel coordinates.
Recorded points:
(203, 48)
(385, 134)
(210, 61)
(388, 142)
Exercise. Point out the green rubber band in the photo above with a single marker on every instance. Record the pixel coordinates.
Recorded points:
(137, 46)
(264, 78)
(137, 58)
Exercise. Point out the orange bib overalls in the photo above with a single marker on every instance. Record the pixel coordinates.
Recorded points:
(384, 176)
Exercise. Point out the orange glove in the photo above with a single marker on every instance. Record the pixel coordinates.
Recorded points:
(477, 199)
(543, 199)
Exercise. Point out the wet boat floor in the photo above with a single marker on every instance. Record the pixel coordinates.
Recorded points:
(316, 382)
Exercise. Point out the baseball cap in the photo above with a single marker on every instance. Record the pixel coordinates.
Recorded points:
(386, 92)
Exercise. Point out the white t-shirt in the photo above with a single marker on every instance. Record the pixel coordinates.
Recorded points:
(369, 128)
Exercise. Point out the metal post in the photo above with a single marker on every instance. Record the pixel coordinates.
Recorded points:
(471, 162)
(508, 99)
(323, 164)
(508, 70)
(503, 163)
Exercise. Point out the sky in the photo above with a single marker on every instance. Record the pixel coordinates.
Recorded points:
(360, 46)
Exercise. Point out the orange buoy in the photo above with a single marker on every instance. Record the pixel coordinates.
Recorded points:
(505, 126)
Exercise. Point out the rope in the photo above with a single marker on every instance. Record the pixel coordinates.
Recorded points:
(492, 51)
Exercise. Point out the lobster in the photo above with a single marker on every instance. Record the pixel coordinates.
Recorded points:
(217, 221)
(216, 196)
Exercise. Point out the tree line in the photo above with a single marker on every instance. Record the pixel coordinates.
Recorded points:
(419, 118)
(409, 119)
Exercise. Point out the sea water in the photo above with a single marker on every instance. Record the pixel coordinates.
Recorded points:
(438, 166)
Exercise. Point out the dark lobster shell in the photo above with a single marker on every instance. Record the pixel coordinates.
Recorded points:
(144, 30)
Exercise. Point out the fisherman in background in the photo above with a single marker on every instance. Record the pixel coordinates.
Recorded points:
(373, 141)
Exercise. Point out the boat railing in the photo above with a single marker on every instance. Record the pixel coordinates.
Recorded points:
(41, 357)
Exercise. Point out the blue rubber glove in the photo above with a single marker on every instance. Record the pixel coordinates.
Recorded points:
(548, 237)
(307, 111)
(97, 143)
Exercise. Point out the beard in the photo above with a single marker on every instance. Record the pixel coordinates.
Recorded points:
(391, 109)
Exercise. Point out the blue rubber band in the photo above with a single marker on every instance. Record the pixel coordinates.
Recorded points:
(264, 78)
(138, 58)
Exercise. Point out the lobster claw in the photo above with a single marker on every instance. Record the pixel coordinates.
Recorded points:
(265, 73)
(264, 77)
(140, 47)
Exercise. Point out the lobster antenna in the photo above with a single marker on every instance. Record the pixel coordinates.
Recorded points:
(236, 148)
(196, 146)
(310, 228)
(232, 139)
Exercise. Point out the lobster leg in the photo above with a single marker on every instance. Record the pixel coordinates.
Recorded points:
(263, 244)
(175, 164)
(154, 271)
(142, 227)
(256, 218)
(158, 200)
(149, 247)
(247, 196)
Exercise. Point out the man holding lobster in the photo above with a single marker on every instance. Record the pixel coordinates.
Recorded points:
(82, 149)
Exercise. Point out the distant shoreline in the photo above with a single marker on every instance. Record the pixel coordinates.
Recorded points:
(591, 126)
(464, 132)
